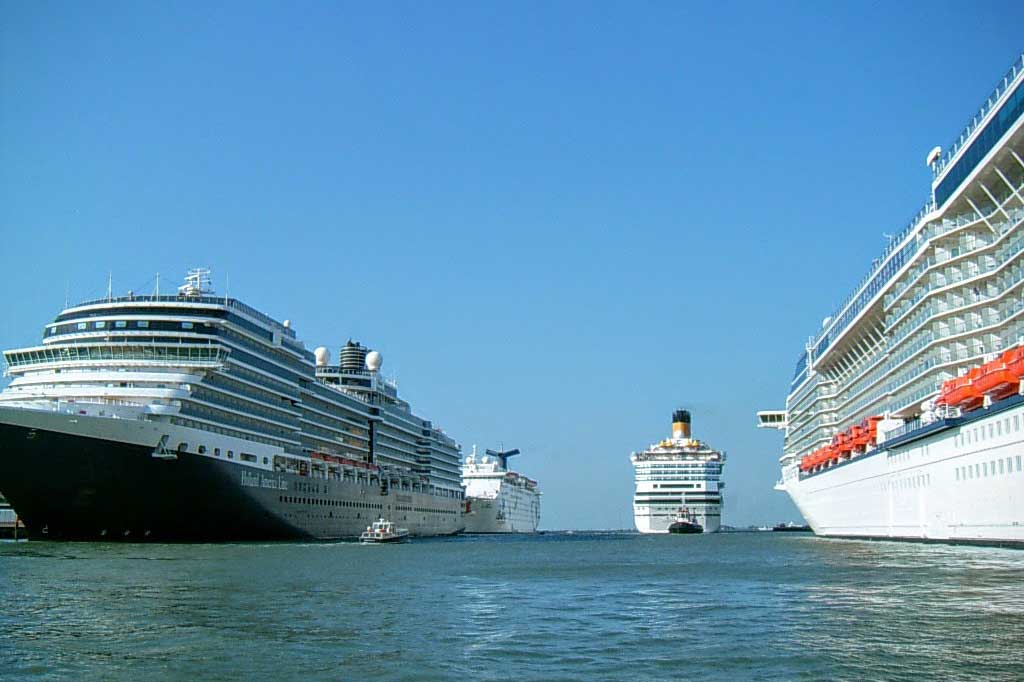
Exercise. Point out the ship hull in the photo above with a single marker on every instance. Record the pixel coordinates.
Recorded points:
(487, 515)
(69, 486)
(962, 484)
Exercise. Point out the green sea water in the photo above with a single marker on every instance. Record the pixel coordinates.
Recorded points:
(743, 606)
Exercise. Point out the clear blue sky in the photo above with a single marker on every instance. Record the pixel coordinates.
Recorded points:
(557, 221)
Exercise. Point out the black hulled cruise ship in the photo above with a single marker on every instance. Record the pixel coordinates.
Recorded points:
(196, 417)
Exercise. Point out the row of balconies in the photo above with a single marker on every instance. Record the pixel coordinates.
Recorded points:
(965, 243)
(954, 300)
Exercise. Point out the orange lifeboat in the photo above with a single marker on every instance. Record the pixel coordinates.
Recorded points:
(996, 380)
(1014, 360)
(805, 462)
(857, 436)
(844, 443)
(965, 394)
(871, 424)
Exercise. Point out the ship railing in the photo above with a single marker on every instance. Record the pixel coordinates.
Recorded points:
(912, 425)
(1000, 89)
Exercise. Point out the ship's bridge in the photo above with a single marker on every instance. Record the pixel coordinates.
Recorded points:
(771, 419)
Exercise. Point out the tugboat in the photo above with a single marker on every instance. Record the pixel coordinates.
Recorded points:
(383, 531)
(685, 523)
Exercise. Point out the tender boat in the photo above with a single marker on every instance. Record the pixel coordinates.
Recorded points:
(685, 523)
(383, 531)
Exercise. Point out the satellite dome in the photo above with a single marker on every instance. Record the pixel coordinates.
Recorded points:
(373, 361)
(323, 356)
(933, 156)
(287, 324)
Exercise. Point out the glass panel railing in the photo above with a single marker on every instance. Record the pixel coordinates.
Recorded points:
(1005, 84)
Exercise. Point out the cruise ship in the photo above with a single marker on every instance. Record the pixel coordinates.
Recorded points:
(499, 500)
(196, 417)
(905, 415)
(678, 475)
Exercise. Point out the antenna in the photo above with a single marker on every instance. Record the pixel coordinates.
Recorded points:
(227, 287)
(67, 293)
(158, 285)
(110, 285)
(197, 283)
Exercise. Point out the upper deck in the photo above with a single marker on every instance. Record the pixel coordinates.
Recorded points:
(861, 315)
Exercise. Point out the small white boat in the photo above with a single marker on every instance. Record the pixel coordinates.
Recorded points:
(383, 531)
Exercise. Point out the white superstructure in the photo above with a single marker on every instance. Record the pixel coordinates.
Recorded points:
(905, 418)
(193, 416)
(676, 473)
(498, 500)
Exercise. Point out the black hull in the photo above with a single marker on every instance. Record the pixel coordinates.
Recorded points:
(72, 487)
(685, 528)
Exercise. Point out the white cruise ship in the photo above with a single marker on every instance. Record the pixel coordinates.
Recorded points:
(498, 500)
(677, 474)
(905, 416)
(196, 417)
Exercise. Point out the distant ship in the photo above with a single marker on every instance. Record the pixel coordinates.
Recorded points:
(192, 416)
(499, 500)
(677, 473)
(905, 414)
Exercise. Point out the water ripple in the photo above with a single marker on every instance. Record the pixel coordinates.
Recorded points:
(553, 607)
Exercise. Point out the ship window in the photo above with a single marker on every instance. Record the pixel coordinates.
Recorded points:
(991, 430)
(1016, 422)
(53, 330)
(1018, 462)
(977, 471)
(99, 325)
(186, 325)
(142, 324)
(83, 325)
(120, 324)
(182, 447)
(265, 460)
(958, 473)
(202, 449)
(1001, 467)
(231, 454)
(216, 452)
(999, 428)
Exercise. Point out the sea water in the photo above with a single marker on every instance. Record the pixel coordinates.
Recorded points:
(549, 607)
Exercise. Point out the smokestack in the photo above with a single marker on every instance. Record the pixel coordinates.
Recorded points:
(681, 424)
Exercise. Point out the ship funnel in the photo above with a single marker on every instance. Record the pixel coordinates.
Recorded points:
(352, 357)
(681, 424)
